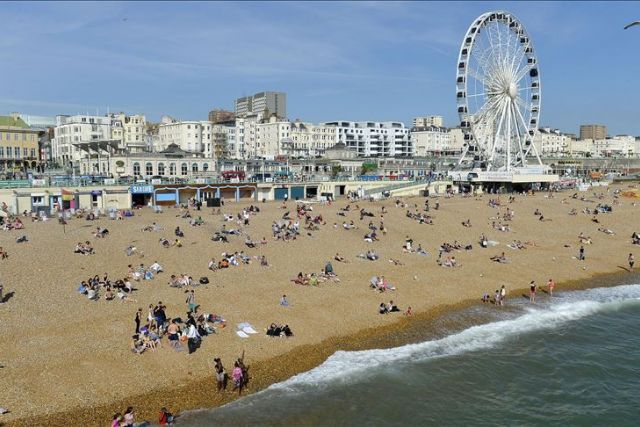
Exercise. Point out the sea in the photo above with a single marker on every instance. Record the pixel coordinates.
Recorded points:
(568, 360)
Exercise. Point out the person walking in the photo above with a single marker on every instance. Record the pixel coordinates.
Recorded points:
(581, 253)
(632, 260)
(551, 284)
(532, 291)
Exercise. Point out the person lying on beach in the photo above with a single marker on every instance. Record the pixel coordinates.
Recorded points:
(155, 267)
(340, 258)
(502, 259)
(467, 223)
(606, 231)
(370, 255)
(449, 262)
(137, 346)
(421, 251)
(101, 232)
(301, 279)
(275, 330)
(395, 261)
(371, 237)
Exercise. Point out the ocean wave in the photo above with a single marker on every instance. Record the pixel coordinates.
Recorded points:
(568, 307)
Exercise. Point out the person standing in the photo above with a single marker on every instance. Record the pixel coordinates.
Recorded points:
(221, 375)
(532, 291)
(1, 297)
(191, 301)
(631, 259)
(238, 379)
(138, 318)
(503, 295)
(551, 284)
(581, 253)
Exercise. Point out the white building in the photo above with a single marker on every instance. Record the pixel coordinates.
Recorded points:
(192, 136)
(617, 146)
(309, 140)
(79, 129)
(246, 135)
(456, 140)
(551, 142)
(426, 121)
(373, 139)
(270, 137)
(430, 141)
(131, 131)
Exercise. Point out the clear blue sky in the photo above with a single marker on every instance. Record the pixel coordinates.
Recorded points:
(353, 61)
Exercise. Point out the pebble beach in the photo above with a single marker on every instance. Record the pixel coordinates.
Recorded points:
(66, 359)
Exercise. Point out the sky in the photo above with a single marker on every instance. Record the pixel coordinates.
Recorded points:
(335, 60)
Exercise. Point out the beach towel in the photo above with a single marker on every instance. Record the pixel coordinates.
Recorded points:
(241, 334)
(492, 243)
(249, 330)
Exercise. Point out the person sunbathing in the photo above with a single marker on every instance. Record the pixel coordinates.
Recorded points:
(301, 279)
(165, 243)
(467, 223)
(340, 258)
(499, 258)
(606, 231)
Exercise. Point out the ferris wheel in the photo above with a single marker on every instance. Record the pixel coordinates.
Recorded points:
(498, 94)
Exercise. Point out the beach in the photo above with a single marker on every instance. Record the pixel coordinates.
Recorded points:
(67, 359)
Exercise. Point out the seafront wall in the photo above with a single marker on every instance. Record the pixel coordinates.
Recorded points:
(105, 198)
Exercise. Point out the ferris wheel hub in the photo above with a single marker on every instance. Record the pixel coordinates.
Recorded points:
(512, 90)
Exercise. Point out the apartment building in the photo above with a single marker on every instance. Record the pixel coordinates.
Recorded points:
(271, 135)
(593, 131)
(426, 121)
(190, 135)
(309, 140)
(19, 151)
(130, 131)
(266, 103)
(430, 141)
(373, 139)
(246, 134)
(72, 131)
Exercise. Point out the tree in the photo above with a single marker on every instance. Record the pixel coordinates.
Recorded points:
(335, 170)
(368, 167)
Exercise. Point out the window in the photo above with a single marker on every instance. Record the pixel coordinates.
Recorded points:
(16, 152)
(184, 169)
(194, 168)
(148, 168)
(205, 167)
(25, 152)
(15, 136)
(1, 151)
(136, 168)
(37, 200)
(172, 168)
(33, 152)
(160, 168)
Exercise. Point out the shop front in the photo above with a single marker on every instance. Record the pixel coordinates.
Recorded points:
(141, 195)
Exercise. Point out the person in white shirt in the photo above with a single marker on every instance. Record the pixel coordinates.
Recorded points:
(155, 267)
(193, 338)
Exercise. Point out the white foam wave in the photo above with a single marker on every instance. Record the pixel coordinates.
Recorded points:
(343, 365)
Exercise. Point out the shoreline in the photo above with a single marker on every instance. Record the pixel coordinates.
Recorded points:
(200, 393)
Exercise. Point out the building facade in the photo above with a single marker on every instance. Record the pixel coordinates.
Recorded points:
(219, 116)
(191, 136)
(551, 142)
(19, 150)
(593, 131)
(131, 131)
(373, 139)
(266, 103)
(430, 141)
(427, 121)
(246, 135)
(72, 131)
(309, 140)
(271, 135)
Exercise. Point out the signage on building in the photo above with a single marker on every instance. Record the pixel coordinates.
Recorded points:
(38, 182)
(156, 181)
(141, 189)
(109, 181)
